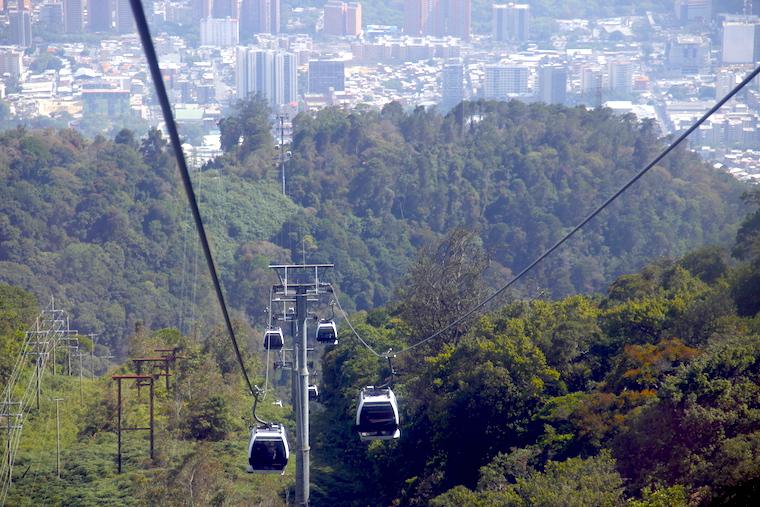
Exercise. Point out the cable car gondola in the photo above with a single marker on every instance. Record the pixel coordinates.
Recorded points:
(273, 339)
(377, 414)
(327, 332)
(268, 450)
(313, 392)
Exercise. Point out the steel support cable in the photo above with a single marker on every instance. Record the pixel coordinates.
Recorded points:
(350, 325)
(171, 126)
(752, 75)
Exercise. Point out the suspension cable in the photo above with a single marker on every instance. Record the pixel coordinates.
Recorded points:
(752, 75)
(171, 126)
(350, 325)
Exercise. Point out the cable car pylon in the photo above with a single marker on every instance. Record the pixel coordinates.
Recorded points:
(299, 284)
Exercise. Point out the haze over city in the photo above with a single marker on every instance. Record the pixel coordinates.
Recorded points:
(79, 63)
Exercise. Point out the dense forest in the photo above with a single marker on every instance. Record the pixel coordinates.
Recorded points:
(644, 395)
(103, 225)
(624, 372)
(375, 186)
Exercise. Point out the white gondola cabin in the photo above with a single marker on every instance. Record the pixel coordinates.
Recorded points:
(273, 339)
(377, 414)
(268, 450)
(313, 392)
(327, 332)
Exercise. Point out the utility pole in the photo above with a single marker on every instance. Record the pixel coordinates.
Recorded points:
(139, 379)
(58, 436)
(92, 361)
(92, 354)
(81, 393)
(8, 436)
(11, 424)
(8, 427)
(38, 353)
(282, 118)
(118, 427)
(152, 422)
(37, 381)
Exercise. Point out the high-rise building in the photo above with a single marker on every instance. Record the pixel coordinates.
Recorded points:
(621, 77)
(693, 10)
(452, 84)
(353, 18)
(105, 102)
(270, 73)
(327, 74)
(21, 28)
(125, 23)
(201, 9)
(438, 18)
(458, 16)
(341, 18)
(689, 54)
(73, 16)
(221, 33)
(259, 16)
(224, 9)
(511, 22)
(51, 15)
(334, 18)
(725, 81)
(591, 81)
(416, 13)
(99, 15)
(741, 41)
(503, 81)
(11, 62)
(552, 84)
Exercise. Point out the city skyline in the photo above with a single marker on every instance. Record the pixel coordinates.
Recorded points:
(439, 53)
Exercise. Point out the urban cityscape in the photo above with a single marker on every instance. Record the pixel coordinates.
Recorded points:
(79, 63)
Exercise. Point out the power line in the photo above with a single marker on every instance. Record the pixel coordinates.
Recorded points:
(171, 126)
(50, 328)
(575, 229)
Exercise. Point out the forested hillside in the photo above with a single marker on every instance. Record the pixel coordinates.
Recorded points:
(632, 378)
(103, 225)
(378, 185)
(646, 395)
